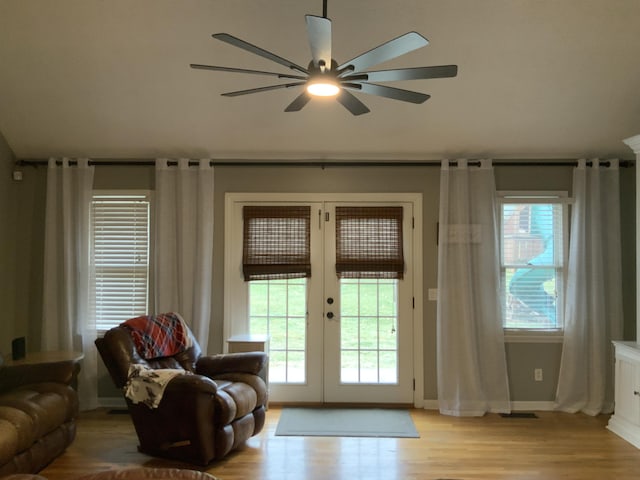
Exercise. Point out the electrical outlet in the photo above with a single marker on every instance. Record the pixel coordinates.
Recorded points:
(537, 374)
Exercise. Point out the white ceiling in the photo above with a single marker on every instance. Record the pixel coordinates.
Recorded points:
(111, 79)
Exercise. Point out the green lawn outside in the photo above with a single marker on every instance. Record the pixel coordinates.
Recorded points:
(368, 327)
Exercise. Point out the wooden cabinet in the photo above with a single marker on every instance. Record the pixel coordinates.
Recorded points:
(625, 421)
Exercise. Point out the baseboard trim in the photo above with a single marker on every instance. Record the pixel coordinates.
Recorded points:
(517, 406)
(625, 429)
(520, 406)
(112, 402)
(431, 405)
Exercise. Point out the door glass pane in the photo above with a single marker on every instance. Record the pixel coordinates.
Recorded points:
(368, 331)
(277, 308)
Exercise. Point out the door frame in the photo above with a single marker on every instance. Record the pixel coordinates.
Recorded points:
(235, 301)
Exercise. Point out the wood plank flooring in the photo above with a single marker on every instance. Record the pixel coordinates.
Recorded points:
(553, 446)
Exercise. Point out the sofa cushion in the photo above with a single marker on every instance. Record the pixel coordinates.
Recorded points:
(235, 400)
(8, 441)
(38, 407)
(254, 382)
(16, 431)
(244, 397)
(46, 409)
(66, 392)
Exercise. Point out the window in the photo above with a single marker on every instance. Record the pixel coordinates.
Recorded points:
(120, 249)
(369, 321)
(278, 308)
(533, 235)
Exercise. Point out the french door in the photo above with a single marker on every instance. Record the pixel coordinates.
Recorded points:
(367, 325)
(332, 340)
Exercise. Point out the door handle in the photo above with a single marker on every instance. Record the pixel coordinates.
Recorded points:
(329, 315)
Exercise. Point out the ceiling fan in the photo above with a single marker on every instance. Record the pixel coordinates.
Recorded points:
(324, 77)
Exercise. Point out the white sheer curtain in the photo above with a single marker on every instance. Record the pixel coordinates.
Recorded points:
(593, 305)
(472, 370)
(67, 321)
(184, 243)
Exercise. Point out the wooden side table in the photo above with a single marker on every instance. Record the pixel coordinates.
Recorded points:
(46, 357)
(50, 358)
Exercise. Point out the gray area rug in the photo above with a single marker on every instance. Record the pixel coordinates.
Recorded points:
(346, 422)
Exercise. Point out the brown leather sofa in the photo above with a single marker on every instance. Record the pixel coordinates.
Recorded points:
(203, 414)
(38, 410)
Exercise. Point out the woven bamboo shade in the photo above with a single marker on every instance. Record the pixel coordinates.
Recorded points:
(369, 242)
(276, 242)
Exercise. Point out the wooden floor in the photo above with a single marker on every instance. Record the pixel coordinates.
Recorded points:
(553, 446)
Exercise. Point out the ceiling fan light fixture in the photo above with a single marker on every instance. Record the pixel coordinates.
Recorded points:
(324, 77)
(323, 87)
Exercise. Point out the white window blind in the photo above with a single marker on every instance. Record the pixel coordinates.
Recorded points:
(120, 249)
(532, 262)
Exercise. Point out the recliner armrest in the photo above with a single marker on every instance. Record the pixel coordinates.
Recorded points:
(245, 362)
(191, 383)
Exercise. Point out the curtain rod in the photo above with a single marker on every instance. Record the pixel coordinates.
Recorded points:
(328, 163)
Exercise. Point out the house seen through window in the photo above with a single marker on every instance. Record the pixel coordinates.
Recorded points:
(532, 261)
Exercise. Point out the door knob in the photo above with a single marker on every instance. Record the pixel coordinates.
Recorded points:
(330, 300)
(329, 315)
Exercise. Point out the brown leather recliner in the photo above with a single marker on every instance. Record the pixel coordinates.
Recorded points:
(203, 415)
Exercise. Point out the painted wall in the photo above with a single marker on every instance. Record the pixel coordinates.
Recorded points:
(522, 357)
(7, 260)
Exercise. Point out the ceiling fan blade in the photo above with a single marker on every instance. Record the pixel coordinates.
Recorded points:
(300, 101)
(351, 103)
(441, 71)
(261, 89)
(393, 48)
(244, 70)
(319, 33)
(391, 92)
(236, 42)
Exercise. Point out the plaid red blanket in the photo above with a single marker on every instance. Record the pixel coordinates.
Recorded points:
(159, 335)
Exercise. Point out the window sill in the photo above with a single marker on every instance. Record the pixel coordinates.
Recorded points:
(533, 336)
